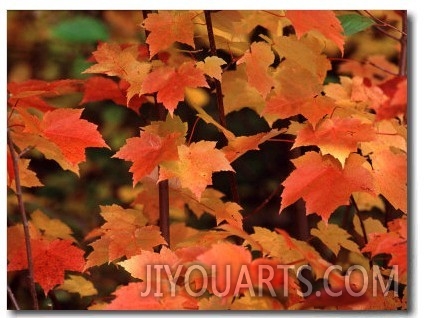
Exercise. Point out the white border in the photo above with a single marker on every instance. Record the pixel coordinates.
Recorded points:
(416, 73)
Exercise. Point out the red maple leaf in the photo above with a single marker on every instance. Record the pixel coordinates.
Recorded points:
(396, 90)
(70, 133)
(324, 184)
(99, 88)
(148, 151)
(393, 243)
(51, 259)
(170, 83)
(30, 94)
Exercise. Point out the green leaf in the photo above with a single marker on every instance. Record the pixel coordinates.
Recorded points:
(354, 23)
(81, 30)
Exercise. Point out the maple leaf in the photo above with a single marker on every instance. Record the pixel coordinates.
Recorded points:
(294, 87)
(50, 260)
(79, 285)
(212, 66)
(257, 62)
(156, 144)
(396, 90)
(238, 146)
(118, 60)
(124, 234)
(99, 88)
(390, 174)
(305, 52)
(129, 298)
(323, 21)
(167, 27)
(324, 184)
(334, 237)
(195, 166)
(30, 94)
(336, 136)
(147, 151)
(51, 228)
(170, 83)
(234, 85)
(28, 178)
(70, 133)
(393, 243)
(212, 203)
(226, 257)
(138, 264)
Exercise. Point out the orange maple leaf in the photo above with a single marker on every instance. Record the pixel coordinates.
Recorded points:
(295, 86)
(227, 258)
(324, 184)
(142, 265)
(195, 166)
(124, 234)
(257, 62)
(129, 298)
(50, 259)
(336, 136)
(390, 174)
(170, 83)
(122, 61)
(167, 27)
(323, 21)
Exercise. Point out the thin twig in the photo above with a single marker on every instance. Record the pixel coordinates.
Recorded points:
(363, 62)
(220, 102)
(385, 24)
(192, 130)
(12, 298)
(264, 203)
(386, 33)
(15, 164)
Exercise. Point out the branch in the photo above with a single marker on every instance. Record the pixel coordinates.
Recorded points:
(364, 232)
(12, 298)
(220, 102)
(163, 186)
(403, 46)
(15, 159)
(385, 24)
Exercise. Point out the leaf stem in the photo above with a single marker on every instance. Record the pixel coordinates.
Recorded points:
(15, 158)
(220, 103)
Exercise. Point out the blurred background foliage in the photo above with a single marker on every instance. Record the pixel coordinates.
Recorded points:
(51, 45)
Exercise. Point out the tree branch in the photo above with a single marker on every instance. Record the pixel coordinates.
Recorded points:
(364, 232)
(220, 102)
(403, 46)
(12, 298)
(15, 159)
